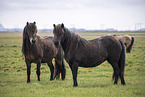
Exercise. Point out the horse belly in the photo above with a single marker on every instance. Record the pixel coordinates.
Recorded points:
(92, 62)
(46, 59)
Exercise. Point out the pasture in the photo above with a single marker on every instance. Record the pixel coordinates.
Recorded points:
(92, 81)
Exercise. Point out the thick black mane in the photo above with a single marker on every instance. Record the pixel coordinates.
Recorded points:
(72, 41)
(26, 41)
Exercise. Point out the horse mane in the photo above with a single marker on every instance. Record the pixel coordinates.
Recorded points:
(74, 38)
(71, 37)
(25, 45)
(72, 41)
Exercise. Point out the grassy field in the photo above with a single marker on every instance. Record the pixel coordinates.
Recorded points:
(92, 81)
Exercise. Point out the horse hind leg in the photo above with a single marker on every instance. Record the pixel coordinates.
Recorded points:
(116, 73)
(122, 78)
(51, 70)
(121, 73)
(121, 64)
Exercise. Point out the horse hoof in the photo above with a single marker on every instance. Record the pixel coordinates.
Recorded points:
(28, 81)
(63, 78)
(75, 86)
(123, 84)
(51, 79)
(115, 83)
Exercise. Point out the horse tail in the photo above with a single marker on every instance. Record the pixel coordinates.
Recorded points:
(121, 63)
(130, 46)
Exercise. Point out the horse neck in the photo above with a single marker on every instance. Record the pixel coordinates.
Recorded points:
(71, 41)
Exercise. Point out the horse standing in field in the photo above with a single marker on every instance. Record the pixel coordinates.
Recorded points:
(37, 50)
(90, 53)
(127, 40)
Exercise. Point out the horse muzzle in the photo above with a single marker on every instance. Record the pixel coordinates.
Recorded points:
(128, 51)
(32, 41)
(56, 42)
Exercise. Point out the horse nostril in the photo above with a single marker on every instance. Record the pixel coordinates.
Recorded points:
(33, 41)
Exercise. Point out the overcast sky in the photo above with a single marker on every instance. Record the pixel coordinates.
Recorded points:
(88, 14)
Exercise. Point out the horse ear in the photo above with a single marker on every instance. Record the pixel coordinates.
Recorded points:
(34, 22)
(54, 25)
(62, 25)
(27, 23)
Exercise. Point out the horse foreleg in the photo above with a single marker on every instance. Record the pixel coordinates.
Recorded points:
(38, 70)
(63, 73)
(28, 71)
(74, 69)
(51, 70)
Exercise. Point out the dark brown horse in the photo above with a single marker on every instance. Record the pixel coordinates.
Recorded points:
(81, 52)
(37, 50)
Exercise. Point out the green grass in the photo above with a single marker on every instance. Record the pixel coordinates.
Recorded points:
(92, 81)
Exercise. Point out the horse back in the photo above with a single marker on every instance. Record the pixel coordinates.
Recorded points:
(112, 45)
(92, 53)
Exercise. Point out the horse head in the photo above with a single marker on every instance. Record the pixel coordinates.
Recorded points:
(129, 46)
(31, 31)
(58, 32)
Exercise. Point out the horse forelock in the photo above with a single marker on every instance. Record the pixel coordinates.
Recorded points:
(30, 28)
